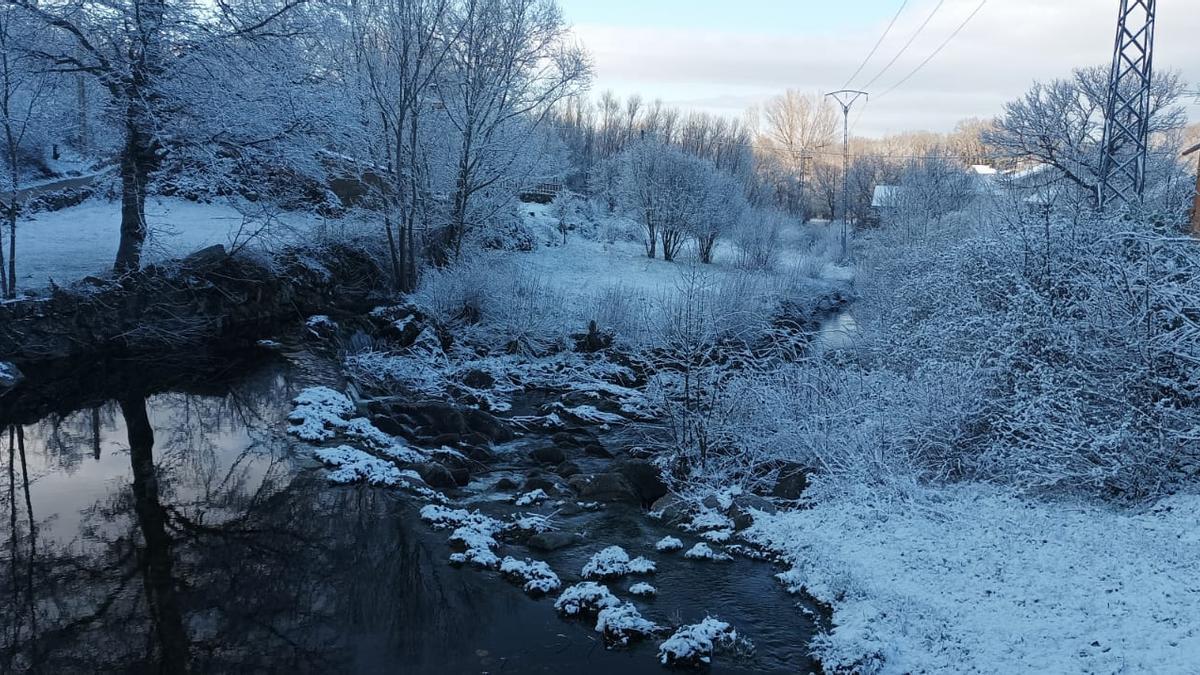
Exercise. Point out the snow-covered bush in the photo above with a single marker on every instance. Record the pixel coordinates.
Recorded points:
(494, 302)
(758, 237)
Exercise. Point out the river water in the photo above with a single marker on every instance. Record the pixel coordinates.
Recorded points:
(158, 520)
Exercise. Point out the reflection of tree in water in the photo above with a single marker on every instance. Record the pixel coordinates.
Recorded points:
(218, 559)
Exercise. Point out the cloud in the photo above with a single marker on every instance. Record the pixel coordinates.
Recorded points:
(1009, 45)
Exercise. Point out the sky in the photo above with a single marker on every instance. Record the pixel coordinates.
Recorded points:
(726, 55)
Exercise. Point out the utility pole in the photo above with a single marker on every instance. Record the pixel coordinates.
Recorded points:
(1127, 110)
(846, 99)
(1196, 198)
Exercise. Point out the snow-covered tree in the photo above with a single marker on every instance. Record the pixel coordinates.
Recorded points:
(510, 64)
(1060, 123)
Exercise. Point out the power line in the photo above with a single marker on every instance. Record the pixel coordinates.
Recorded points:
(907, 44)
(878, 42)
(937, 51)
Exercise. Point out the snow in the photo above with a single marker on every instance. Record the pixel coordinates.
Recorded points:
(643, 589)
(81, 240)
(709, 519)
(702, 551)
(972, 580)
(353, 465)
(717, 536)
(538, 577)
(474, 532)
(319, 412)
(694, 644)
(529, 498)
(609, 562)
(587, 597)
(621, 623)
(668, 544)
(640, 565)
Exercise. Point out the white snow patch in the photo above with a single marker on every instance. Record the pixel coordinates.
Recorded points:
(694, 644)
(319, 412)
(587, 597)
(969, 579)
(668, 544)
(352, 465)
(621, 623)
(702, 551)
(717, 536)
(640, 565)
(538, 577)
(530, 498)
(643, 589)
(610, 562)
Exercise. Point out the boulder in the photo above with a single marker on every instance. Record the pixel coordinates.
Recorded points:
(506, 484)
(436, 475)
(487, 425)
(671, 507)
(568, 469)
(572, 439)
(792, 482)
(479, 379)
(391, 426)
(597, 450)
(447, 440)
(549, 454)
(461, 474)
(604, 487)
(553, 540)
(479, 453)
(538, 483)
(645, 478)
(743, 507)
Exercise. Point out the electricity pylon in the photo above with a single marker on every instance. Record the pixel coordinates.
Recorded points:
(1123, 148)
(846, 99)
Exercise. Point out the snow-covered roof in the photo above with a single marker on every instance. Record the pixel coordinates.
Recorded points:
(984, 170)
(1027, 172)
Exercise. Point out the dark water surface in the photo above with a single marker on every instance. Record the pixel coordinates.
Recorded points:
(158, 520)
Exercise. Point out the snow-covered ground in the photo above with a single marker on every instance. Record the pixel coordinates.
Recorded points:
(968, 580)
(75, 242)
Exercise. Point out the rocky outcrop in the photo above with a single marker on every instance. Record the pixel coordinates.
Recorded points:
(206, 297)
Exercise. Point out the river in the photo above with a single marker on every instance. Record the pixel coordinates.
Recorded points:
(159, 520)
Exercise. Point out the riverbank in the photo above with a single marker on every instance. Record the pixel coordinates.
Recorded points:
(969, 579)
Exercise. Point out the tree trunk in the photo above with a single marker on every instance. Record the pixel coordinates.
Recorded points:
(12, 249)
(135, 159)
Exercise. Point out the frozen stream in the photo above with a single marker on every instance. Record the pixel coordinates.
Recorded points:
(177, 529)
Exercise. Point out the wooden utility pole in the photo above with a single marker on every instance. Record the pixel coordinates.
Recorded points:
(1196, 197)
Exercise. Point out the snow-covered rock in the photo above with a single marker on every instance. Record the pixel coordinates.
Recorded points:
(319, 414)
(351, 465)
(474, 533)
(10, 375)
(693, 645)
(537, 576)
(587, 597)
(702, 551)
(717, 536)
(621, 623)
(609, 562)
(640, 565)
(530, 498)
(668, 544)
(643, 589)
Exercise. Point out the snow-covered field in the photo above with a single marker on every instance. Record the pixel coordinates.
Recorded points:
(969, 580)
(75, 242)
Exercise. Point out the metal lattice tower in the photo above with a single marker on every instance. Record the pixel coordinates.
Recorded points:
(1127, 111)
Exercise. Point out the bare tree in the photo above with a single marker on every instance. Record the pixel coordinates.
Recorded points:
(797, 125)
(1060, 123)
(513, 61)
